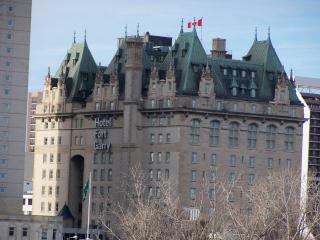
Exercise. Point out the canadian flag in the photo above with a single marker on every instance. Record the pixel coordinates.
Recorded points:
(195, 23)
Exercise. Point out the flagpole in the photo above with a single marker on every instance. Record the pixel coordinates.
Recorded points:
(89, 207)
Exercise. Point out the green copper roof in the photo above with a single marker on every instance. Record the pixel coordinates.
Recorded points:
(78, 69)
(258, 70)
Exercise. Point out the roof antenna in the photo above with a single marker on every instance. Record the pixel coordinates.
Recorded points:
(256, 34)
(269, 33)
(126, 31)
(181, 30)
(74, 37)
(138, 30)
(194, 23)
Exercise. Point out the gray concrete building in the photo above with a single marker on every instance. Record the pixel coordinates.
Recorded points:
(15, 21)
(180, 113)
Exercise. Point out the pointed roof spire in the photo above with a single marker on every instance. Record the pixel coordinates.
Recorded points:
(269, 33)
(49, 71)
(291, 77)
(181, 29)
(85, 35)
(125, 31)
(138, 30)
(74, 37)
(194, 23)
(256, 34)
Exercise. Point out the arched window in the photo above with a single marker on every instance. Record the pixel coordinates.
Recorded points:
(214, 132)
(252, 135)
(289, 138)
(271, 137)
(233, 134)
(195, 131)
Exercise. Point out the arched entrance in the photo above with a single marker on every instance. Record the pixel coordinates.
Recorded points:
(75, 188)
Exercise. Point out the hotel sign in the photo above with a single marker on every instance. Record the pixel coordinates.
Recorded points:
(101, 142)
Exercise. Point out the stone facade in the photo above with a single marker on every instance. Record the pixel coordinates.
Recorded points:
(157, 119)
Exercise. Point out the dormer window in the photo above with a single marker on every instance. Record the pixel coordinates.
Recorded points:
(282, 95)
(234, 91)
(113, 90)
(243, 73)
(253, 93)
(112, 106)
(234, 73)
(97, 107)
(153, 86)
(206, 88)
(98, 91)
(194, 103)
(253, 74)
(225, 72)
(153, 103)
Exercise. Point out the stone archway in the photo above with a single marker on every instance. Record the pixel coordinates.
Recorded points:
(75, 188)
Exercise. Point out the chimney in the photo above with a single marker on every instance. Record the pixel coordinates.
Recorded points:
(219, 47)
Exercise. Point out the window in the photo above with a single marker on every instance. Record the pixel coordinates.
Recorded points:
(50, 174)
(193, 175)
(271, 137)
(59, 140)
(153, 103)
(214, 132)
(212, 176)
(49, 207)
(252, 135)
(44, 158)
(166, 174)
(59, 157)
(50, 191)
(232, 161)
(193, 193)
(195, 131)
(269, 110)
(95, 175)
(289, 138)
(42, 207)
(102, 174)
(160, 138)
(243, 73)
(211, 193)
(233, 134)
(235, 107)
(150, 174)
(24, 232)
(270, 163)
(225, 71)
(11, 231)
(44, 234)
(57, 190)
(289, 163)
(252, 161)
(152, 138)
(97, 106)
(232, 177)
(52, 141)
(282, 95)
(168, 138)
(213, 159)
(58, 174)
(54, 231)
(253, 108)
(9, 36)
(167, 157)
(151, 157)
(110, 175)
(51, 158)
(7, 92)
(194, 158)
(53, 124)
(95, 158)
(159, 173)
(159, 157)
(206, 88)
(43, 174)
(250, 179)
(219, 105)
(8, 50)
(193, 103)
(43, 190)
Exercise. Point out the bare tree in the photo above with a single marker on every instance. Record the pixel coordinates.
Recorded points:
(268, 209)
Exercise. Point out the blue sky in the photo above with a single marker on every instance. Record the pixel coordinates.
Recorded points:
(295, 28)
